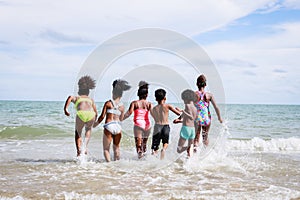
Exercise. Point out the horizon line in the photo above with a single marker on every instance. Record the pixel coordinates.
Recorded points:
(227, 103)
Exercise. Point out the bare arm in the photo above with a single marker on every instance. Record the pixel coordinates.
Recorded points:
(129, 111)
(122, 113)
(95, 109)
(188, 115)
(151, 111)
(102, 116)
(178, 120)
(174, 110)
(216, 108)
(67, 103)
(150, 106)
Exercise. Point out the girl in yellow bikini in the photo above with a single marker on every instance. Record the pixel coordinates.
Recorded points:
(86, 111)
(113, 112)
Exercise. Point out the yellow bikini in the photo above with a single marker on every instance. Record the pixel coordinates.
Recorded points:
(84, 115)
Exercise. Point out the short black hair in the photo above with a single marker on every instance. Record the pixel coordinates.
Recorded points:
(189, 95)
(119, 86)
(160, 94)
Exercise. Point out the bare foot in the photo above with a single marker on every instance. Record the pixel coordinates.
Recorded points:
(195, 149)
(140, 155)
(205, 139)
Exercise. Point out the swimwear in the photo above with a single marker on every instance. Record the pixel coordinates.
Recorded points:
(141, 118)
(161, 132)
(115, 110)
(203, 113)
(85, 115)
(187, 132)
(114, 127)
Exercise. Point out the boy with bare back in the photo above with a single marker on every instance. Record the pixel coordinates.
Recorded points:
(160, 114)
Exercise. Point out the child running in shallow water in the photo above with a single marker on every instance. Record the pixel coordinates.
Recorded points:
(160, 114)
(86, 111)
(113, 112)
(203, 120)
(142, 125)
(189, 114)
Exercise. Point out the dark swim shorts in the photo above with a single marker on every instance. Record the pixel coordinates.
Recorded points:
(160, 133)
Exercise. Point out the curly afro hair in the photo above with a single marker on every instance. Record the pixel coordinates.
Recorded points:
(85, 84)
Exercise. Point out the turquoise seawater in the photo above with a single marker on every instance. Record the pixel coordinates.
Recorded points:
(19, 118)
(255, 154)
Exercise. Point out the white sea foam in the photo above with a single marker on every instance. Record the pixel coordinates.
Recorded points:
(215, 158)
(273, 192)
(261, 145)
(74, 195)
(12, 198)
(2, 129)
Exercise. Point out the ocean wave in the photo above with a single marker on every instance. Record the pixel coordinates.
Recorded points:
(27, 132)
(257, 144)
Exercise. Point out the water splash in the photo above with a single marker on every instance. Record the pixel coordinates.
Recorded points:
(214, 158)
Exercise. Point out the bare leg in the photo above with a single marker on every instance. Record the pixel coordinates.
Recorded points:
(88, 131)
(145, 139)
(138, 140)
(205, 130)
(190, 149)
(116, 147)
(87, 139)
(107, 138)
(197, 137)
(77, 143)
(155, 144)
(78, 130)
(180, 147)
(154, 152)
(162, 154)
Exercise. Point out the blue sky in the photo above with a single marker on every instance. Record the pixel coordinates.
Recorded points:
(255, 45)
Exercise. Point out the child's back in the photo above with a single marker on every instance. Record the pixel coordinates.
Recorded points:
(160, 114)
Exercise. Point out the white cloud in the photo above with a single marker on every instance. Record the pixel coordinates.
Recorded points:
(35, 34)
(276, 61)
(294, 4)
(101, 19)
